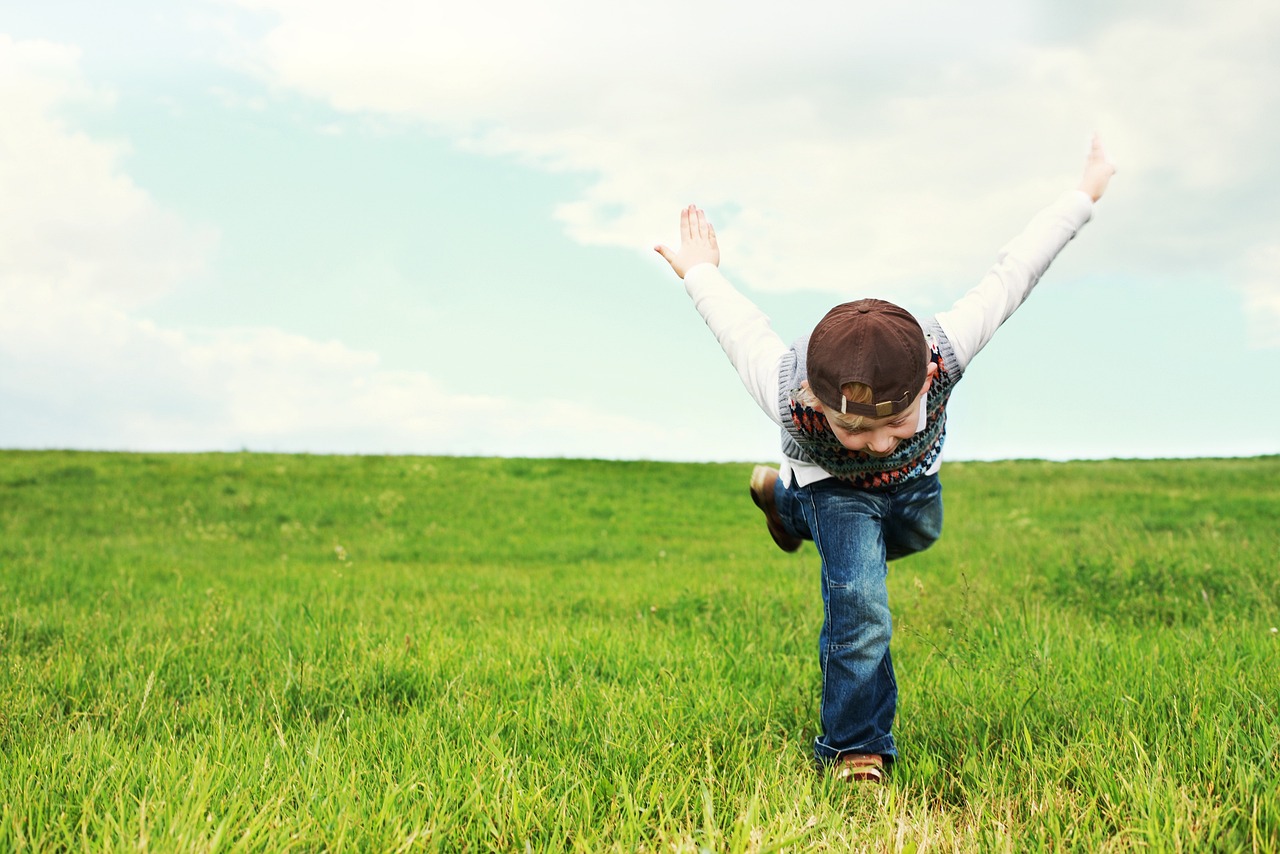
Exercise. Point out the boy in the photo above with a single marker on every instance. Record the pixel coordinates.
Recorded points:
(861, 401)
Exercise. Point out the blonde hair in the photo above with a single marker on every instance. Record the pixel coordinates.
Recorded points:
(853, 392)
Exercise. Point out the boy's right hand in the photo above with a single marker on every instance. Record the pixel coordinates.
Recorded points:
(697, 243)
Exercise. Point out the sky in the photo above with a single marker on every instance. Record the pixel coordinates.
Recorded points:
(425, 227)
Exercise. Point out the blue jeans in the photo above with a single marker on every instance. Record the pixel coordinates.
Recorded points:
(857, 532)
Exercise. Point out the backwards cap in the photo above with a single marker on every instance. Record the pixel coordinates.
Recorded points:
(872, 342)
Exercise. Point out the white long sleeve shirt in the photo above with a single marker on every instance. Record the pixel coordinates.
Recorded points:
(755, 350)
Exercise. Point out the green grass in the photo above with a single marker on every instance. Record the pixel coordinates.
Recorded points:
(271, 653)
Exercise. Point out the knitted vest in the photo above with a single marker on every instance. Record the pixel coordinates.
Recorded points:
(807, 437)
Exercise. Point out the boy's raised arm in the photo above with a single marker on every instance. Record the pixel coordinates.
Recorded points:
(743, 330)
(975, 317)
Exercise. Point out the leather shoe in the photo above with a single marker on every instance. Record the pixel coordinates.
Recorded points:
(859, 768)
(763, 479)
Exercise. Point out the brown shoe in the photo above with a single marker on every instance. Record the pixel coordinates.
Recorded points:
(763, 479)
(859, 768)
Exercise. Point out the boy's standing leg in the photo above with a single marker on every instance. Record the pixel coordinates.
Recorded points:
(856, 533)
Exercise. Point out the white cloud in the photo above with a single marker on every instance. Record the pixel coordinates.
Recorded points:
(887, 150)
(70, 219)
(100, 378)
(83, 250)
(1262, 296)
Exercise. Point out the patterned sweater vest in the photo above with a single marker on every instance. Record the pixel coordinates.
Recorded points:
(806, 436)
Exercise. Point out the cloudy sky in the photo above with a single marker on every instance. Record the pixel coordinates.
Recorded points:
(427, 227)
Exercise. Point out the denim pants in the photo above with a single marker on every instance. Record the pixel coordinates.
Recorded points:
(856, 533)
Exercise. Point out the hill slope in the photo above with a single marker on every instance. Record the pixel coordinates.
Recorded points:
(265, 652)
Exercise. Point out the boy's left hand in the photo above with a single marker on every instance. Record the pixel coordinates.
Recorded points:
(1098, 170)
(697, 243)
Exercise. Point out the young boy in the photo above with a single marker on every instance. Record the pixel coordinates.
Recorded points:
(861, 401)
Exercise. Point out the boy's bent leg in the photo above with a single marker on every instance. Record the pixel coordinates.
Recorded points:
(914, 520)
(859, 693)
(789, 503)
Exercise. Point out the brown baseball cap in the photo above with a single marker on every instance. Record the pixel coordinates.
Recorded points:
(873, 342)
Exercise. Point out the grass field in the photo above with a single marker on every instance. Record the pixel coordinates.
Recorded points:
(270, 653)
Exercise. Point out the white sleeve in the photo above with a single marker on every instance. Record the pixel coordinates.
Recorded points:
(976, 316)
(744, 333)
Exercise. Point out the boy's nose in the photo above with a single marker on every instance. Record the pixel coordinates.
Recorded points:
(881, 443)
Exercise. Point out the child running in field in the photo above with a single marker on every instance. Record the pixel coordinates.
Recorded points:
(861, 401)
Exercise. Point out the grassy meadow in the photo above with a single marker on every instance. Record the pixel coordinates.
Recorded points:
(253, 652)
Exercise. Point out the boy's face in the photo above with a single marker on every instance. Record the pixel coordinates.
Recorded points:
(879, 437)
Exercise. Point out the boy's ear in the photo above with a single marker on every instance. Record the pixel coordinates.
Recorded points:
(817, 404)
(929, 374)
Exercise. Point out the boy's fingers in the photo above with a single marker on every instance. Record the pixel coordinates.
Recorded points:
(664, 252)
(694, 225)
(1097, 151)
